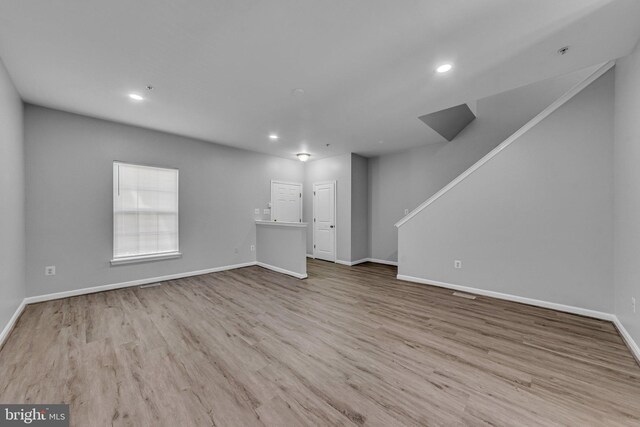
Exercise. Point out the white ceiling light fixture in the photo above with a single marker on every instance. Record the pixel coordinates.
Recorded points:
(273, 137)
(136, 97)
(444, 68)
(303, 156)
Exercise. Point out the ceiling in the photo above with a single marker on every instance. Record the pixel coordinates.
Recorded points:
(224, 70)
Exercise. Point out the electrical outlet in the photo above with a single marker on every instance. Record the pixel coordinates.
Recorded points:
(253, 248)
(266, 211)
(256, 211)
(633, 304)
(50, 270)
(406, 211)
(457, 263)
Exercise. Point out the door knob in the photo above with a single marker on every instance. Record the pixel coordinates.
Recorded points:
(331, 226)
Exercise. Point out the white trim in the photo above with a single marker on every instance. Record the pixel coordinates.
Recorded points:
(351, 263)
(281, 270)
(310, 256)
(83, 291)
(12, 322)
(538, 303)
(282, 224)
(363, 260)
(628, 340)
(537, 119)
(145, 258)
(382, 261)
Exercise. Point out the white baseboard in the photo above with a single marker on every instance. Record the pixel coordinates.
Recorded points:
(382, 261)
(363, 260)
(83, 291)
(310, 256)
(281, 270)
(633, 346)
(539, 303)
(12, 322)
(350, 263)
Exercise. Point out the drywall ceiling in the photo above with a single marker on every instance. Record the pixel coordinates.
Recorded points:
(224, 70)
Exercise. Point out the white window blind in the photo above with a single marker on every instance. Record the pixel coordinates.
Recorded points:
(145, 212)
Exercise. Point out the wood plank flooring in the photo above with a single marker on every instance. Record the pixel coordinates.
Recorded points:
(348, 346)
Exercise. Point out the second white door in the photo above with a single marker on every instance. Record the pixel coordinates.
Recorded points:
(324, 220)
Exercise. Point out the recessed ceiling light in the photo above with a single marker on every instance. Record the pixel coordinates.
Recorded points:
(444, 68)
(303, 156)
(297, 92)
(273, 137)
(563, 50)
(135, 97)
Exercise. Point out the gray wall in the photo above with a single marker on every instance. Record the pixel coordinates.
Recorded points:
(337, 168)
(627, 192)
(359, 208)
(12, 194)
(282, 246)
(404, 180)
(69, 199)
(536, 221)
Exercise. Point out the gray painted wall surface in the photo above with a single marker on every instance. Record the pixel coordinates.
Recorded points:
(404, 180)
(359, 208)
(627, 192)
(535, 221)
(69, 198)
(12, 195)
(337, 168)
(282, 246)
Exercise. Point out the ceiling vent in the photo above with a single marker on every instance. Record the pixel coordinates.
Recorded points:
(449, 122)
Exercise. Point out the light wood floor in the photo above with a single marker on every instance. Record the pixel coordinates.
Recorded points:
(348, 346)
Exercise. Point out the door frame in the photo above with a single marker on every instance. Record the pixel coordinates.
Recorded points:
(335, 217)
(277, 181)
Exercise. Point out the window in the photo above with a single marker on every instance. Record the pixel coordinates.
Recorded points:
(145, 213)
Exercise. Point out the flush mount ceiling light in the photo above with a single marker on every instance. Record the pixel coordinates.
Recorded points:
(273, 137)
(303, 156)
(444, 68)
(135, 97)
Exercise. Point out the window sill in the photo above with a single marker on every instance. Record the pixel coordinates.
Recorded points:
(145, 258)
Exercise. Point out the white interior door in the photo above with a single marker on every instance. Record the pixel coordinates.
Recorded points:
(286, 201)
(324, 221)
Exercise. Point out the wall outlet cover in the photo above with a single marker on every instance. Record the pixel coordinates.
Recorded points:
(457, 263)
(50, 270)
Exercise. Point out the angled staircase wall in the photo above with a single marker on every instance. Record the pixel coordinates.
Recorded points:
(532, 220)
